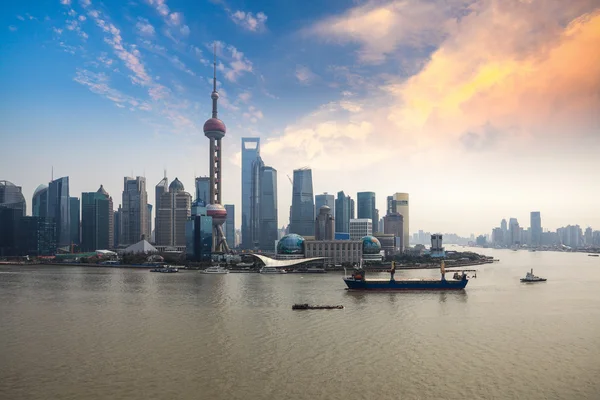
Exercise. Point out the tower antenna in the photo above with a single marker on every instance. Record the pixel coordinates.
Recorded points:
(215, 94)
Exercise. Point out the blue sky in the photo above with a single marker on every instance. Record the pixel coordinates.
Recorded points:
(388, 96)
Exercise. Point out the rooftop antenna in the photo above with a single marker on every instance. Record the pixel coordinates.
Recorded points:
(52, 174)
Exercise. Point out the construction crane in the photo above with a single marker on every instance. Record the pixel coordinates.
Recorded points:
(290, 180)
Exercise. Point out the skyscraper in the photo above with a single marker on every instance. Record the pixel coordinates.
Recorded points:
(174, 211)
(268, 208)
(214, 130)
(324, 199)
(203, 190)
(12, 210)
(344, 212)
(95, 218)
(74, 209)
(514, 232)
(394, 224)
(398, 202)
(303, 203)
(536, 229)
(367, 208)
(148, 233)
(111, 220)
(255, 201)
(117, 228)
(161, 188)
(230, 225)
(250, 154)
(324, 224)
(39, 202)
(134, 216)
(59, 209)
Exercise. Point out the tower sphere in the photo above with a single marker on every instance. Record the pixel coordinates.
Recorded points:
(217, 212)
(214, 128)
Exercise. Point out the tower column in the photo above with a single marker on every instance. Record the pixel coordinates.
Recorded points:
(212, 171)
(218, 174)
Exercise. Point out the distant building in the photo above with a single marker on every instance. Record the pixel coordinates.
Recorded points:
(325, 199)
(230, 225)
(342, 236)
(134, 216)
(59, 209)
(117, 227)
(94, 221)
(303, 204)
(74, 209)
(203, 190)
(514, 232)
(149, 222)
(199, 234)
(12, 209)
(325, 224)
(390, 243)
(437, 249)
(344, 212)
(111, 220)
(39, 202)
(360, 227)
(337, 252)
(536, 229)
(367, 208)
(174, 211)
(394, 225)
(36, 236)
(398, 203)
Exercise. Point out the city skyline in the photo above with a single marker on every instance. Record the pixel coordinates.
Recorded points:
(492, 129)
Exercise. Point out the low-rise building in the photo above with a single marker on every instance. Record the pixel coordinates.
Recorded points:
(336, 251)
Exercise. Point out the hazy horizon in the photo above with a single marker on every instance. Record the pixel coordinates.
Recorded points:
(480, 110)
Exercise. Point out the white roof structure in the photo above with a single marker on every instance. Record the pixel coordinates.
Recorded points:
(270, 262)
(141, 247)
(106, 253)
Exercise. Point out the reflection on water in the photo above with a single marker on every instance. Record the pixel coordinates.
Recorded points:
(96, 333)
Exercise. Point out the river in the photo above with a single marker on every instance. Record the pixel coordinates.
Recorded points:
(109, 333)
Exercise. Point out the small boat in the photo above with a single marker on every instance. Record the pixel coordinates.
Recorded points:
(593, 255)
(309, 307)
(530, 277)
(166, 269)
(215, 270)
(272, 270)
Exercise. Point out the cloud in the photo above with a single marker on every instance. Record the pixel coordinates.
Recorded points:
(238, 64)
(244, 96)
(99, 83)
(85, 3)
(65, 2)
(473, 92)
(175, 20)
(249, 21)
(12, 28)
(304, 75)
(253, 114)
(20, 18)
(180, 65)
(144, 27)
(381, 28)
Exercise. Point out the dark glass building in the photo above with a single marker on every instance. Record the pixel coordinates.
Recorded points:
(250, 154)
(199, 234)
(230, 225)
(39, 202)
(203, 191)
(268, 208)
(325, 199)
(366, 208)
(74, 209)
(59, 209)
(36, 236)
(94, 221)
(344, 212)
(303, 204)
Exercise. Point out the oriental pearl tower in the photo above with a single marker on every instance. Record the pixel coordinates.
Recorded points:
(214, 130)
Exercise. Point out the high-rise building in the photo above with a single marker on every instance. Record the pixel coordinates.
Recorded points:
(12, 209)
(74, 209)
(360, 228)
(268, 208)
(35, 236)
(255, 202)
(174, 211)
(344, 212)
(394, 225)
(536, 229)
(203, 190)
(324, 199)
(134, 216)
(111, 220)
(11, 196)
(59, 209)
(230, 225)
(250, 154)
(199, 234)
(95, 218)
(39, 202)
(514, 232)
(398, 202)
(148, 234)
(214, 130)
(161, 188)
(303, 203)
(117, 228)
(588, 236)
(366, 205)
(324, 224)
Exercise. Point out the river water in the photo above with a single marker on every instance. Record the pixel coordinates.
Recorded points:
(102, 333)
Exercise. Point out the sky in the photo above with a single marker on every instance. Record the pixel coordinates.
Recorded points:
(479, 109)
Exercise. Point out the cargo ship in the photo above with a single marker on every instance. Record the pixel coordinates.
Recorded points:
(357, 281)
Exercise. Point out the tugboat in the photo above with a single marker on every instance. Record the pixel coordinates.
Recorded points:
(530, 277)
(358, 282)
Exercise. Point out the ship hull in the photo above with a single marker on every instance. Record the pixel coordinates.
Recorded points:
(405, 285)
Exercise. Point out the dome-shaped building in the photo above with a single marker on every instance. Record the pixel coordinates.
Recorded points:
(291, 244)
(371, 247)
(176, 186)
(11, 196)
